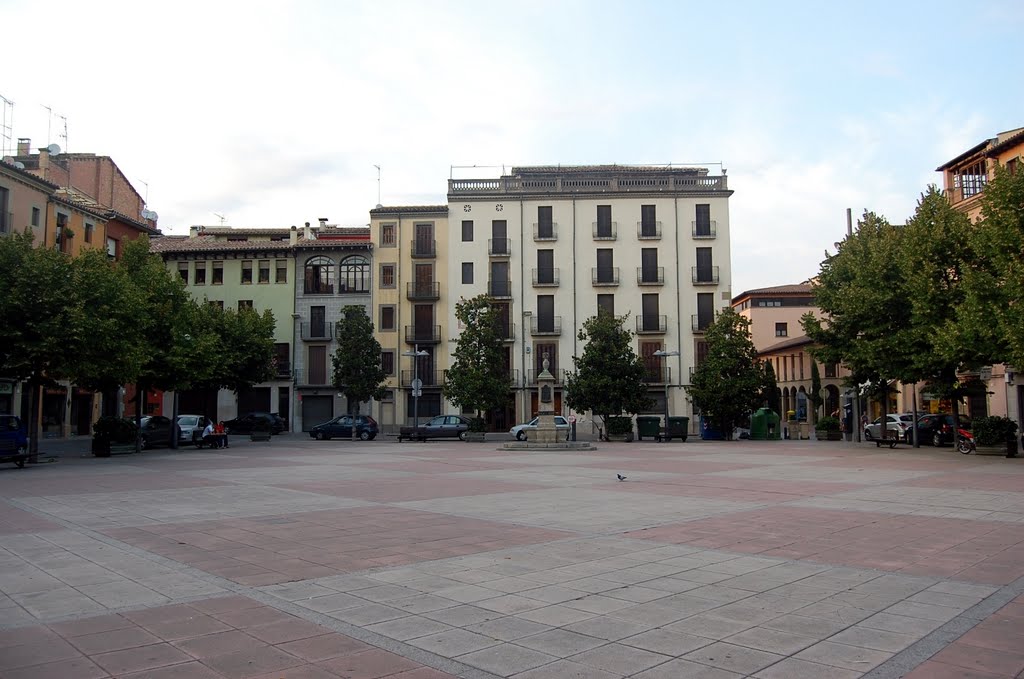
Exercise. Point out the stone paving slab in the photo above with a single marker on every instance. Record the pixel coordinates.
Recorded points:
(329, 559)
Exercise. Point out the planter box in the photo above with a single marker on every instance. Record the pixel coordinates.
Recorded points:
(1008, 449)
(826, 435)
(622, 438)
(475, 437)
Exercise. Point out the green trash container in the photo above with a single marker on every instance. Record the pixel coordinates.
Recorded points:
(759, 425)
(647, 426)
(678, 428)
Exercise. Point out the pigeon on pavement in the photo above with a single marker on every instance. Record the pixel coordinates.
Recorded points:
(621, 477)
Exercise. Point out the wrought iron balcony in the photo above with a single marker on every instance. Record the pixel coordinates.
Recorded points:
(283, 369)
(558, 374)
(540, 325)
(429, 378)
(705, 230)
(701, 323)
(546, 277)
(317, 332)
(543, 231)
(650, 275)
(705, 275)
(427, 334)
(605, 275)
(423, 291)
(607, 231)
(651, 324)
(654, 374)
(648, 230)
(499, 289)
(499, 247)
(424, 248)
(508, 332)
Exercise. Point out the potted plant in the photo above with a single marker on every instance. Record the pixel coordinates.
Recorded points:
(827, 429)
(109, 431)
(619, 429)
(477, 430)
(995, 434)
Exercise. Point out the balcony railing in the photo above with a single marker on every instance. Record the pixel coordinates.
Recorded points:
(422, 290)
(547, 277)
(605, 231)
(648, 230)
(704, 230)
(650, 275)
(651, 324)
(283, 369)
(317, 332)
(558, 374)
(701, 323)
(545, 231)
(705, 275)
(429, 378)
(602, 275)
(424, 248)
(551, 325)
(654, 374)
(674, 180)
(508, 332)
(427, 334)
(499, 247)
(499, 288)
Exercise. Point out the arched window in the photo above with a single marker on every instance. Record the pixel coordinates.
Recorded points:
(355, 274)
(319, 276)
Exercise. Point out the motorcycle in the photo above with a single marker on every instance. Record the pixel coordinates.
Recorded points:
(965, 441)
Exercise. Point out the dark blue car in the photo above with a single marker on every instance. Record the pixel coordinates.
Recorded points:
(13, 440)
(341, 427)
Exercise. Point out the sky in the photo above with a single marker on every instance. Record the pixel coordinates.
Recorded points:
(269, 114)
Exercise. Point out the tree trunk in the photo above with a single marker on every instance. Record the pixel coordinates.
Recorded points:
(140, 403)
(354, 412)
(33, 421)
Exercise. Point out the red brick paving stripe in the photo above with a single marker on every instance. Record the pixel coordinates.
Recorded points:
(976, 551)
(1010, 482)
(108, 483)
(272, 549)
(408, 490)
(14, 521)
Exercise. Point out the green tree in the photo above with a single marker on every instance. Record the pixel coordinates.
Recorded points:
(770, 394)
(478, 378)
(815, 396)
(609, 376)
(358, 372)
(729, 383)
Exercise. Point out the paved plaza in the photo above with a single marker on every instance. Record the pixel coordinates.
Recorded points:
(301, 559)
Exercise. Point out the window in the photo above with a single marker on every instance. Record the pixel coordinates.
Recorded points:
(317, 367)
(387, 317)
(387, 362)
(387, 235)
(648, 221)
(702, 223)
(247, 272)
(217, 305)
(200, 276)
(244, 304)
(467, 273)
(282, 360)
(111, 247)
(971, 179)
(604, 222)
(781, 330)
(5, 214)
(264, 271)
(319, 278)
(281, 275)
(183, 271)
(89, 228)
(545, 225)
(355, 274)
(467, 230)
(36, 214)
(218, 273)
(388, 396)
(1011, 166)
(831, 370)
(606, 304)
(387, 275)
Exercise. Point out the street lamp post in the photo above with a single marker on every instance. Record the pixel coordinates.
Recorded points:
(417, 386)
(662, 353)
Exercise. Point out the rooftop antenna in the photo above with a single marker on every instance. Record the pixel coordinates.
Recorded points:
(7, 131)
(49, 119)
(221, 217)
(378, 185)
(145, 198)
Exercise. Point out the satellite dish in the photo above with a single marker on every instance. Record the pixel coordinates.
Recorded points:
(20, 165)
(149, 214)
(54, 149)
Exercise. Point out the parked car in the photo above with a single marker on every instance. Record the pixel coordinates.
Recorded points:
(157, 430)
(936, 429)
(191, 427)
(440, 427)
(522, 431)
(255, 421)
(898, 422)
(341, 427)
(13, 440)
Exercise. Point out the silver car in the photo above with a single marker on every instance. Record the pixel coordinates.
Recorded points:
(191, 427)
(522, 431)
(897, 422)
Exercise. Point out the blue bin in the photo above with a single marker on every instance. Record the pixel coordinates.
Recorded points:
(709, 432)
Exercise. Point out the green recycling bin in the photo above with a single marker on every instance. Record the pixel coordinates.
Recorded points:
(678, 428)
(647, 426)
(774, 428)
(759, 425)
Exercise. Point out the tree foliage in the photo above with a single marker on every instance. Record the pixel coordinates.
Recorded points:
(478, 378)
(770, 394)
(730, 382)
(608, 379)
(358, 372)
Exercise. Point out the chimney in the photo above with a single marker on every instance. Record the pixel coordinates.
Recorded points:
(308, 233)
(293, 235)
(323, 221)
(24, 146)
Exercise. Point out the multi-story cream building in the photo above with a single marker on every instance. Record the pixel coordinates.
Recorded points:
(551, 246)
